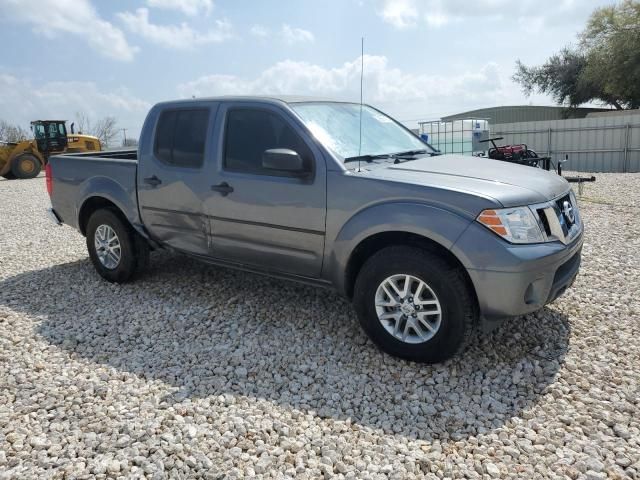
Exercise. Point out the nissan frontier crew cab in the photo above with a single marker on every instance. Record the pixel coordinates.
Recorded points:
(427, 246)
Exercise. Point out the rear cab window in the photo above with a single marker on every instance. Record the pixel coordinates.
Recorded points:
(181, 136)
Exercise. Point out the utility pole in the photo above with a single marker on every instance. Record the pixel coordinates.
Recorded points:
(124, 134)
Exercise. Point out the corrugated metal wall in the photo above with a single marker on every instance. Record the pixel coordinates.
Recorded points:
(596, 144)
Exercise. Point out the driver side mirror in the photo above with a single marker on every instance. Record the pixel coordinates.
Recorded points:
(283, 160)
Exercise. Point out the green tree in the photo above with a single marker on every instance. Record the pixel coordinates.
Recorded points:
(604, 67)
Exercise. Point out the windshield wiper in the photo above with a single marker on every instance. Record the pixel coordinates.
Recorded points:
(368, 158)
(406, 155)
(410, 153)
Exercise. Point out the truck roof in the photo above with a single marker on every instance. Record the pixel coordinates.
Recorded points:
(260, 98)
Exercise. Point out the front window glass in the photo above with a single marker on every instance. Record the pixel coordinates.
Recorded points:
(39, 131)
(337, 126)
(251, 132)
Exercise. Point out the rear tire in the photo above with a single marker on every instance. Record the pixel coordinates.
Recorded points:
(116, 250)
(410, 327)
(26, 166)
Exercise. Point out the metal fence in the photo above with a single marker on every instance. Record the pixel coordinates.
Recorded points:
(459, 136)
(594, 144)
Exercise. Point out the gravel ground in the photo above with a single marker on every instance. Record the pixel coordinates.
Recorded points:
(194, 371)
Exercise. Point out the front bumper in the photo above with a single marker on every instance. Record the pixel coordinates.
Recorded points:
(512, 280)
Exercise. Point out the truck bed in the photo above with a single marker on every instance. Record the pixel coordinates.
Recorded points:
(77, 176)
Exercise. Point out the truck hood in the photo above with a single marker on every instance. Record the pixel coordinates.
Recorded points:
(508, 183)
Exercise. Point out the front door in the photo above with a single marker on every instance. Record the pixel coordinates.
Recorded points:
(172, 177)
(260, 218)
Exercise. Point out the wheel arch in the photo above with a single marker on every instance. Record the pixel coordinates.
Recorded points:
(92, 205)
(387, 224)
(376, 242)
(100, 191)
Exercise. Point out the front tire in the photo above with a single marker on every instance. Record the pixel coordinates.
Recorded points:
(116, 250)
(414, 305)
(26, 166)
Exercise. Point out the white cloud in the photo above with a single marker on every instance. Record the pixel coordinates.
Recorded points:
(22, 101)
(259, 31)
(292, 35)
(382, 82)
(436, 13)
(437, 19)
(400, 13)
(174, 36)
(406, 94)
(288, 34)
(76, 17)
(188, 7)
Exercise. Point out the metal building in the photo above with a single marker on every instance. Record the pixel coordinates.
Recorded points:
(523, 113)
(597, 143)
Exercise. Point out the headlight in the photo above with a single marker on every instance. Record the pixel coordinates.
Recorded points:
(574, 204)
(516, 225)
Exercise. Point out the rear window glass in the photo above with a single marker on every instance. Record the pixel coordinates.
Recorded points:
(181, 136)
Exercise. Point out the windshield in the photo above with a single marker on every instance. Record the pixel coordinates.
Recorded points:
(337, 126)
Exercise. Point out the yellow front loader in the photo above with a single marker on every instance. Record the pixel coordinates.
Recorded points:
(25, 159)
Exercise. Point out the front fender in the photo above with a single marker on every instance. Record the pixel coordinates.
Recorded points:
(104, 187)
(434, 223)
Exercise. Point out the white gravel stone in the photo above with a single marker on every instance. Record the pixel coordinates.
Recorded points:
(198, 372)
(591, 475)
(492, 470)
(594, 464)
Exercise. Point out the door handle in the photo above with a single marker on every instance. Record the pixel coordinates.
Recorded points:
(224, 189)
(153, 181)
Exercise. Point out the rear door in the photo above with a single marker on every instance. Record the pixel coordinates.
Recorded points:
(172, 176)
(260, 219)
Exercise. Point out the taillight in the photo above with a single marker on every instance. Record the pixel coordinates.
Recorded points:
(49, 178)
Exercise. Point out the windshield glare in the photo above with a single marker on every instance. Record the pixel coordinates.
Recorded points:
(337, 127)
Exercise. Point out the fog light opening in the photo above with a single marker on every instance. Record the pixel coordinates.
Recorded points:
(529, 295)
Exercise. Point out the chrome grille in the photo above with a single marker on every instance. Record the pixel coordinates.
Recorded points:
(559, 219)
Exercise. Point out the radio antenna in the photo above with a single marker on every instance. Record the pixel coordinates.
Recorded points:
(361, 80)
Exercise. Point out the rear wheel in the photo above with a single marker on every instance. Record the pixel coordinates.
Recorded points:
(26, 166)
(117, 251)
(414, 305)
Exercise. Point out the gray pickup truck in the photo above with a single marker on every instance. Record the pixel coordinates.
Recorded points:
(427, 246)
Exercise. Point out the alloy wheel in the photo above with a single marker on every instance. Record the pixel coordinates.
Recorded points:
(408, 308)
(107, 246)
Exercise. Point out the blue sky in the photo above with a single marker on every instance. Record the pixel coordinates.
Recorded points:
(423, 58)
